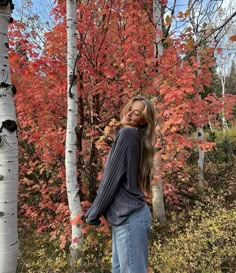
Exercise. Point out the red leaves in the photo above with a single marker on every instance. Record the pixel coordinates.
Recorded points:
(163, 2)
(77, 220)
(206, 146)
(63, 241)
(75, 240)
(219, 50)
(233, 38)
(116, 61)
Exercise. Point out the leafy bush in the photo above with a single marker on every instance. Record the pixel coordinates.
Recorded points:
(39, 254)
(96, 257)
(206, 245)
(200, 241)
(230, 135)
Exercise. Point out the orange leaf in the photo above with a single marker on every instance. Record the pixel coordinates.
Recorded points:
(168, 20)
(76, 240)
(187, 13)
(77, 220)
(233, 38)
(62, 241)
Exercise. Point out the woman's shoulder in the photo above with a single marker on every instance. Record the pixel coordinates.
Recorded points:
(128, 130)
(128, 133)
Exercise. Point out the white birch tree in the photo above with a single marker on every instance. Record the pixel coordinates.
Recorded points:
(222, 75)
(226, 54)
(71, 141)
(205, 12)
(195, 11)
(8, 153)
(157, 188)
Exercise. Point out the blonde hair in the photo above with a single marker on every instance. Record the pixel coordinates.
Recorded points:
(147, 141)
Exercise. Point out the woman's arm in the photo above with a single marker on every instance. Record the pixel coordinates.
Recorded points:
(114, 171)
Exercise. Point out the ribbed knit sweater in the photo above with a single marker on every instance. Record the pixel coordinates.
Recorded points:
(118, 195)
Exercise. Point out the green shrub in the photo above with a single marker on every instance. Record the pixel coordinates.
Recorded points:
(206, 245)
(230, 135)
(39, 254)
(96, 257)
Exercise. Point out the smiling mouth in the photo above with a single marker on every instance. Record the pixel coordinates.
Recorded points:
(127, 119)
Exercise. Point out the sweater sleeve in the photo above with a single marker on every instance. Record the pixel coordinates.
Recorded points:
(115, 169)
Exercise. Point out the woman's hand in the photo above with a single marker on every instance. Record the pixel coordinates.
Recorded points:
(95, 222)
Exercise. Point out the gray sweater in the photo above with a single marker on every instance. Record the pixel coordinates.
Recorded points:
(118, 195)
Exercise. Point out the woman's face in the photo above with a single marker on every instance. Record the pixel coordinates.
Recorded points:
(134, 117)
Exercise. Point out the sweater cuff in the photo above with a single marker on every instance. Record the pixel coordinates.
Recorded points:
(95, 222)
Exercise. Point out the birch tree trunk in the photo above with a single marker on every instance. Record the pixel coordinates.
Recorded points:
(222, 76)
(157, 188)
(200, 130)
(8, 153)
(71, 140)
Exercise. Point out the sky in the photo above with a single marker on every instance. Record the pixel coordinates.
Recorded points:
(41, 8)
(229, 4)
(38, 6)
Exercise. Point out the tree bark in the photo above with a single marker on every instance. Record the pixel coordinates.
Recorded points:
(93, 160)
(200, 130)
(157, 188)
(222, 77)
(71, 137)
(8, 153)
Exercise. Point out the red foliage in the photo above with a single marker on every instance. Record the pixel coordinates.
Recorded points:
(233, 38)
(115, 62)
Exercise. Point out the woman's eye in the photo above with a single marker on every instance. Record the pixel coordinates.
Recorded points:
(136, 113)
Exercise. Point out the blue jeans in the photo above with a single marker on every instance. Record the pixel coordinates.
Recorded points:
(130, 243)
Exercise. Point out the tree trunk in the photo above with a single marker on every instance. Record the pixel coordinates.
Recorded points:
(200, 130)
(93, 160)
(71, 140)
(223, 119)
(157, 188)
(8, 153)
(158, 202)
(79, 133)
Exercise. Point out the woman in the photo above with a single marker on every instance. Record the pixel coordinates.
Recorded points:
(120, 197)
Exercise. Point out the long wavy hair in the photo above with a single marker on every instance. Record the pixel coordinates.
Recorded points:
(148, 138)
